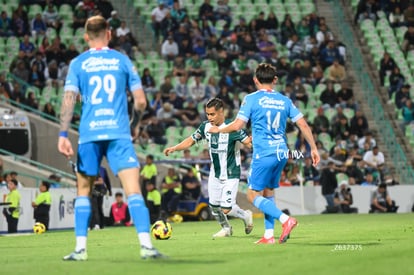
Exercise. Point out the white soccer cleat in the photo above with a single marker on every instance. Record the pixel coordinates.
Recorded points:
(151, 253)
(248, 222)
(80, 255)
(224, 232)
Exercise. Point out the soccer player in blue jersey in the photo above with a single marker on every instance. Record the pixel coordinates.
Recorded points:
(101, 77)
(268, 112)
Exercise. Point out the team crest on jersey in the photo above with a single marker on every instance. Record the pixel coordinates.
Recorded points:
(214, 139)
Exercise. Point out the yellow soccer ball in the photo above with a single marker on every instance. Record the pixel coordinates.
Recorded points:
(39, 228)
(177, 218)
(161, 230)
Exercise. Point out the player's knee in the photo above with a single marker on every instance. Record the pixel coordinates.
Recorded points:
(226, 210)
(215, 209)
(251, 196)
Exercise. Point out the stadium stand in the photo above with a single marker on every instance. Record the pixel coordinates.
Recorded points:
(288, 34)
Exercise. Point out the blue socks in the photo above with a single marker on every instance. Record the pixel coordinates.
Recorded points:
(268, 207)
(82, 216)
(139, 213)
(269, 221)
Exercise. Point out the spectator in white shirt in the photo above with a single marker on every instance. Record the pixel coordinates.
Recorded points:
(367, 138)
(374, 160)
(51, 17)
(197, 90)
(123, 30)
(157, 16)
(323, 35)
(169, 49)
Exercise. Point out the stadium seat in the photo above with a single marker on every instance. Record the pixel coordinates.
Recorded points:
(33, 10)
(311, 114)
(326, 140)
(2, 48)
(340, 177)
(291, 139)
(367, 25)
(13, 44)
(399, 33)
(330, 113)
(188, 130)
(319, 89)
(307, 7)
(349, 113)
(337, 87)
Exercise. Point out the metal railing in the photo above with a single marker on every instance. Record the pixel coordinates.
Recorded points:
(38, 165)
(20, 106)
(402, 167)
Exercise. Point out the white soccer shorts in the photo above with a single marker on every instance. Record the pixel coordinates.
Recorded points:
(222, 192)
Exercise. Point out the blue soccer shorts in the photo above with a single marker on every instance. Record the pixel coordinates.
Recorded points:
(119, 153)
(265, 172)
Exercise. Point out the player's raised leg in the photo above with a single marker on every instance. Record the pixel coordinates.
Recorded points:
(260, 189)
(245, 215)
(231, 208)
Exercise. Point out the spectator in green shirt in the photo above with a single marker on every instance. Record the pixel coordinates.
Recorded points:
(171, 193)
(149, 171)
(153, 201)
(12, 211)
(41, 204)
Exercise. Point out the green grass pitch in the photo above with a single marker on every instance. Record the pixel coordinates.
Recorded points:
(322, 244)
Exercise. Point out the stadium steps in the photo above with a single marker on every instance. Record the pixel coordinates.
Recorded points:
(382, 92)
(137, 23)
(324, 9)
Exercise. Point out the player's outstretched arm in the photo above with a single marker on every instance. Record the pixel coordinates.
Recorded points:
(234, 126)
(185, 144)
(307, 133)
(66, 114)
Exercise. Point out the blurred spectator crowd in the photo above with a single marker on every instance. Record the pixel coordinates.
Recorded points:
(199, 56)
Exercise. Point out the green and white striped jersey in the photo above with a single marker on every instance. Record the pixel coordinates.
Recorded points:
(224, 150)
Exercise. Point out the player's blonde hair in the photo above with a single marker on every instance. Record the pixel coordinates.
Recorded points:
(96, 26)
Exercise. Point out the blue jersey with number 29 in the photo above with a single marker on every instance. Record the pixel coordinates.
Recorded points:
(102, 77)
(268, 112)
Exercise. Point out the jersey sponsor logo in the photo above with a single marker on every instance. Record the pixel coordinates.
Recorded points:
(268, 102)
(102, 136)
(109, 123)
(104, 112)
(218, 151)
(278, 139)
(96, 64)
